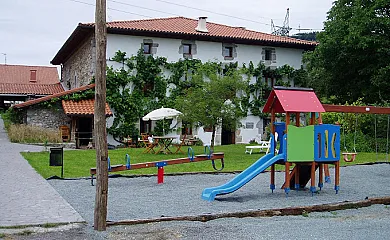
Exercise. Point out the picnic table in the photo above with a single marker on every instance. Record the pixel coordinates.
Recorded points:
(163, 143)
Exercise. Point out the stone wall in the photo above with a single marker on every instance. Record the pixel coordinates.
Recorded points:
(47, 117)
(79, 69)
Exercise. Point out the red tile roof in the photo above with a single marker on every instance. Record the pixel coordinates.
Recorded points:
(32, 88)
(57, 95)
(179, 27)
(82, 107)
(183, 25)
(20, 74)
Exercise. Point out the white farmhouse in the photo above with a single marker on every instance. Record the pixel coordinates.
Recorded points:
(177, 38)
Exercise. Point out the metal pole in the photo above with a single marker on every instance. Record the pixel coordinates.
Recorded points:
(5, 58)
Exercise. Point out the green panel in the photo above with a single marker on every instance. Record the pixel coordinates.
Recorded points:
(300, 144)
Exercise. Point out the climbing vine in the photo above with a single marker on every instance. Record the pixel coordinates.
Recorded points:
(145, 83)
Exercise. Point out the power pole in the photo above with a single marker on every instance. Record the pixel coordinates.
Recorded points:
(100, 215)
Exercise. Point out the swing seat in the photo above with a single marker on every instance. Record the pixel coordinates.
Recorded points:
(351, 155)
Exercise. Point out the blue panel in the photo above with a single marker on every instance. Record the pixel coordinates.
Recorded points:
(280, 128)
(326, 148)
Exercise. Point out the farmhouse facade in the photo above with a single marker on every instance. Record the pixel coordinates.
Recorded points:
(180, 38)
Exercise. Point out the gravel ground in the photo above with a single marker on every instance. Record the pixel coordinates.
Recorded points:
(136, 198)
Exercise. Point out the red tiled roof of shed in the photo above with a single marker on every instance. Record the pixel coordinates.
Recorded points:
(57, 95)
(293, 100)
(82, 107)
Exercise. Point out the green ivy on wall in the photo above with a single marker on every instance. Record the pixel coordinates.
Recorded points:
(142, 83)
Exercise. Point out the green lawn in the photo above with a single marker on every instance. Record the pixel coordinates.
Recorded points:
(78, 162)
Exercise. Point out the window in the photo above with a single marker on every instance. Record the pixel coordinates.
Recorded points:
(187, 129)
(228, 52)
(33, 75)
(249, 125)
(268, 54)
(187, 49)
(147, 48)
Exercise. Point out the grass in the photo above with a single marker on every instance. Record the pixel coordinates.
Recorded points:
(78, 162)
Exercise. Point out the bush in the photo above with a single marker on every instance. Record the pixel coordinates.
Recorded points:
(11, 117)
(32, 134)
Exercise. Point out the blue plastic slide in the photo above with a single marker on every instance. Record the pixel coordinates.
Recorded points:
(242, 178)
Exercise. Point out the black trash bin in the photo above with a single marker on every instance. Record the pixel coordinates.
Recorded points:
(57, 158)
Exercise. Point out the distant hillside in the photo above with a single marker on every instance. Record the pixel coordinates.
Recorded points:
(310, 36)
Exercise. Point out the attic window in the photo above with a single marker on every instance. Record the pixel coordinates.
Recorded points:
(33, 75)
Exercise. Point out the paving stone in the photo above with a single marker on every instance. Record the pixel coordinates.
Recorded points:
(25, 197)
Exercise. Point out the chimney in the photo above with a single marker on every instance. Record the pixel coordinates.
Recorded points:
(202, 25)
(33, 75)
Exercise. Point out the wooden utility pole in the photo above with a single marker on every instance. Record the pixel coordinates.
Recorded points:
(100, 214)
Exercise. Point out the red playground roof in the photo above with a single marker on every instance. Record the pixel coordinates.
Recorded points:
(284, 99)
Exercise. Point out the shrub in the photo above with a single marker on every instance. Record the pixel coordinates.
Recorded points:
(32, 134)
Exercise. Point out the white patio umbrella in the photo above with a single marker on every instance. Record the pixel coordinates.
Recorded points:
(161, 114)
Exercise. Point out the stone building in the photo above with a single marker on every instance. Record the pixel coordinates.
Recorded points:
(73, 119)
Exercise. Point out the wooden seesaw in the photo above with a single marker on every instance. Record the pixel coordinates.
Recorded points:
(209, 155)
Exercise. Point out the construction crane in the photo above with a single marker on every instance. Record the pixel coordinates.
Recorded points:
(282, 30)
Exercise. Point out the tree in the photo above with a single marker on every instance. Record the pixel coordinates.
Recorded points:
(352, 59)
(310, 36)
(214, 97)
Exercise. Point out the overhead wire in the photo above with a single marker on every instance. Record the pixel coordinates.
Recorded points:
(113, 9)
(231, 16)
(185, 6)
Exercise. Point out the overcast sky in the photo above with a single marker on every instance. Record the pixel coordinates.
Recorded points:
(32, 31)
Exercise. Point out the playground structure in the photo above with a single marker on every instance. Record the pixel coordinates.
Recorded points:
(307, 148)
(207, 156)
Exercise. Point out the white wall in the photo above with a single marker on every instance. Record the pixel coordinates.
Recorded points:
(206, 51)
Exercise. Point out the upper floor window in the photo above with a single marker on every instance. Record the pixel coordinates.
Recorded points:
(186, 48)
(147, 48)
(269, 55)
(228, 51)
